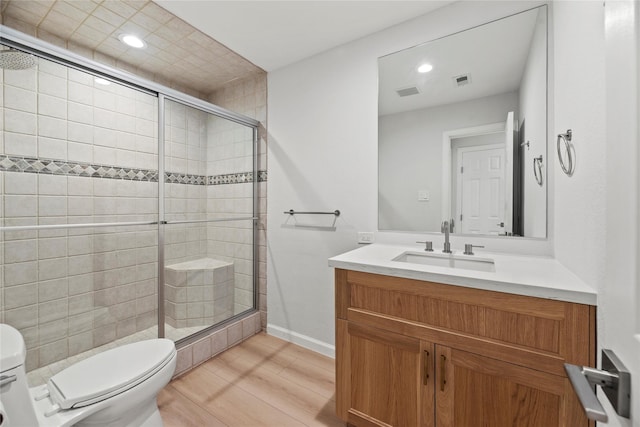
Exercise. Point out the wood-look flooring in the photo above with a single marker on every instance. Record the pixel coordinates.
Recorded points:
(264, 381)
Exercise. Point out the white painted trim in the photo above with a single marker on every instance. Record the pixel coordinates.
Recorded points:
(509, 129)
(446, 158)
(302, 340)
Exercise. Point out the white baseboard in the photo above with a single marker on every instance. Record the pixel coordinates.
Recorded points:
(302, 340)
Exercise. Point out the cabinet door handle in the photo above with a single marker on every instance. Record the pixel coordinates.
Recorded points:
(425, 376)
(443, 371)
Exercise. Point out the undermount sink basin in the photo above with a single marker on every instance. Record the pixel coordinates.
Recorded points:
(466, 262)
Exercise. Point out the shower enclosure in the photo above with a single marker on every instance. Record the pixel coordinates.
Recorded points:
(127, 209)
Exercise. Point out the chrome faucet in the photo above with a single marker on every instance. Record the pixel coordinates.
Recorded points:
(445, 230)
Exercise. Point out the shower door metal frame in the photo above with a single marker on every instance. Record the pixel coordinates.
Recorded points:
(162, 98)
(24, 42)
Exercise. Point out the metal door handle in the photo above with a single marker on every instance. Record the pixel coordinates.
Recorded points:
(615, 380)
(587, 397)
(7, 379)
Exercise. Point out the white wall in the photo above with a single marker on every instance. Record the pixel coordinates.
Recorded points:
(533, 99)
(596, 215)
(619, 300)
(580, 201)
(323, 156)
(410, 150)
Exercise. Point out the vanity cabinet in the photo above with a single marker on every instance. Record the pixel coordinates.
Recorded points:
(417, 353)
(386, 369)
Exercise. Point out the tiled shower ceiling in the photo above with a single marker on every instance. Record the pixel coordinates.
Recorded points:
(177, 55)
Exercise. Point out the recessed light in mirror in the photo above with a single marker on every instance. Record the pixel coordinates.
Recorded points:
(425, 68)
(102, 81)
(133, 41)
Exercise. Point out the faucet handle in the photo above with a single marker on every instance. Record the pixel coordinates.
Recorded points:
(428, 246)
(468, 248)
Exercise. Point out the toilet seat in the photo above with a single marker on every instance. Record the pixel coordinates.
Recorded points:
(109, 373)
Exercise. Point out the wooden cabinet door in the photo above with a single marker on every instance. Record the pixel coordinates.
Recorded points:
(391, 379)
(473, 390)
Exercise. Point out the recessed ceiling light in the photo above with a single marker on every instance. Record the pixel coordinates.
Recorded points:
(133, 41)
(102, 81)
(425, 68)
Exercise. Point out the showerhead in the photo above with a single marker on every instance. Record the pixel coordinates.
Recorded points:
(12, 59)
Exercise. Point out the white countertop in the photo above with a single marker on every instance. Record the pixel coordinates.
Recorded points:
(542, 277)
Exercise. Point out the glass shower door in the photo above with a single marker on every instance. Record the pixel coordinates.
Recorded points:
(78, 211)
(207, 219)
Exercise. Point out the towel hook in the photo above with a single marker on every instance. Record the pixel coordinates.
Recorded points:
(569, 150)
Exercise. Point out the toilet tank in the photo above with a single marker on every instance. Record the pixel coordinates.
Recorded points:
(12, 349)
(15, 399)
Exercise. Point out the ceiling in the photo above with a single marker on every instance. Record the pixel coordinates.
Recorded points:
(177, 54)
(493, 55)
(199, 46)
(273, 34)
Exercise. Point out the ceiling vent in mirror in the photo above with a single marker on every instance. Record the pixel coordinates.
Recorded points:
(463, 79)
(407, 91)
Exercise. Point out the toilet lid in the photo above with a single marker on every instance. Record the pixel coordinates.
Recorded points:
(109, 373)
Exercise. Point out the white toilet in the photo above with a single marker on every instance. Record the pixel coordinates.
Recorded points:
(115, 388)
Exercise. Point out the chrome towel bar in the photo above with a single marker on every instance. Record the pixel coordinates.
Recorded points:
(292, 212)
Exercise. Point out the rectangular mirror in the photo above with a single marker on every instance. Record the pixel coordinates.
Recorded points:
(462, 131)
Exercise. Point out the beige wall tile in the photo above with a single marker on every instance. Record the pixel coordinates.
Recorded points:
(20, 122)
(20, 296)
(80, 343)
(248, 327)
(53, 289)
(53, 310)
(185, 359)
(201, 351)
(20, 99)
(234, 333)
(23, 317)
(53, 331)
(219, 341)
(80, 323)
(104, 334)
(20, 145)
(20, 273)
(53, 352)
(20, 251)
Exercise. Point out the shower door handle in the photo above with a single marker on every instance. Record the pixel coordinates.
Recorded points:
(7, 379)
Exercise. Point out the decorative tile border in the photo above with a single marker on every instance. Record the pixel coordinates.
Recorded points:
(236, 178)
(61, 167)
(182, 178)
